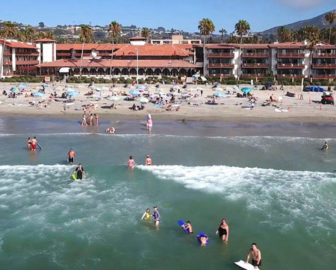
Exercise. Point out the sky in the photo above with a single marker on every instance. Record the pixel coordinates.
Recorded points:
(177, 14)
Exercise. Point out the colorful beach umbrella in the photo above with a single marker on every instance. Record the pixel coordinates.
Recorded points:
(246, 90)
(14, 89)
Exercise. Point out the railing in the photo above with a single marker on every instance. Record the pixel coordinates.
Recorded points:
(324, 55)
(29, 62)
(257, 65)
(27, 53)
(7, 63)
(221, 75)
(256, 75)
(324, 66)
(255, 55)
(221, 66)
(220, 55)
(325, 76)
(290, 76)
(291, 55)
(7, 53)
(290, 66)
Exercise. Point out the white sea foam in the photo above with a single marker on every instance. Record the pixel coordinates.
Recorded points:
(301, 195)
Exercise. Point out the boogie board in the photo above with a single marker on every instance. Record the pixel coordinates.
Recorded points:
(245, 265)
(182, 224)
(199, 236)
(74, 176)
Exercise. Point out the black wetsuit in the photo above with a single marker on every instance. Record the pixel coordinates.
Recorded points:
(79, 173)
(221, 231)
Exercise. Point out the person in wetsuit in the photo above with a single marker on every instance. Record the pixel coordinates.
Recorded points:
(325, 146)
(223, 230)
(80, 173)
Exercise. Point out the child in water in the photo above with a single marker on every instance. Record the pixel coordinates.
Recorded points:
(131, 163)
(147, 215)
(188, 227)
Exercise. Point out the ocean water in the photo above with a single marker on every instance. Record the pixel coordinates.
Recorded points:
(277, 191)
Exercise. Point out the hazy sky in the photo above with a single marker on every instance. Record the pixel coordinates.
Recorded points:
(177, 14)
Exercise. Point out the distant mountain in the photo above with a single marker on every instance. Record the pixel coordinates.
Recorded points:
(318, 21)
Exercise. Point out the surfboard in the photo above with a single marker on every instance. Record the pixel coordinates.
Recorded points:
(245, 265)
(182, 224)
(74, 176)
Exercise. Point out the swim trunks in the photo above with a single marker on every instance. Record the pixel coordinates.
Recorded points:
(254, 263)
(71, 160)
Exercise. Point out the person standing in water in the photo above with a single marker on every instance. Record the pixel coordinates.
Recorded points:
(131, 163)
(188, 227)
(223, 230)
(80, 173)
(147, 215)
(96, 119)
(148, 160)
(149, 123)
(29, 144)
(71, 156)
(325, 146)
(255, 255)
(156, 217)
(34, 143)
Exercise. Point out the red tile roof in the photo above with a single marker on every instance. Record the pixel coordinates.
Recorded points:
(152, 50)
(15, 44)
(288, 45)
(103, 63)
(137, 38)
(89, 47)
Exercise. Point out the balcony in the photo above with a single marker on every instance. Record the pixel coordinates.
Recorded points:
(290, 76)
(255, 55)
(63, 54)
(7, 53)
(290, 66)
(28, 62)
(291, 55)
(222, 75)
(8, 63)
(324, 66)
(230, 66)
(324, 77)
(220, 55)
(251, 76)
(324, 55)
(257, 65)
(27, 53)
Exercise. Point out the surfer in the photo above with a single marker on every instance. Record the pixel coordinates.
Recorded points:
(80, 173)
(223, 230)
(71, 156)
(325, 146)
(156, 217)
(255, 255)
(147, 215)
(29, 144)
(148, 160)
(203, 240)
(131, 163)
(188, 227)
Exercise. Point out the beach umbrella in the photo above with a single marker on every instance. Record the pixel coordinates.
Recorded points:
(134, 92)
(143, 100)
(14, 89)
(72, 93)
(220, 95)
(38, 94)
(246, 90)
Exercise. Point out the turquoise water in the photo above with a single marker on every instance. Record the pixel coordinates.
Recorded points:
(277, 191)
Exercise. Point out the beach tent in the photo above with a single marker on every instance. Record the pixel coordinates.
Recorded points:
(314, 88)
(246, 90)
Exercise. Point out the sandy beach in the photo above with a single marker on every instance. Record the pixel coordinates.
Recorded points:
(189, 103)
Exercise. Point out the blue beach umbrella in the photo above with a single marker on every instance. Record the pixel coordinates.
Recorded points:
(134, 92)
(72, 93)
(220, 95)
(38, 94)
(246, 90)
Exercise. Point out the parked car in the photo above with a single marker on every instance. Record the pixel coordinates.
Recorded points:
(327, 98)
(314, 88)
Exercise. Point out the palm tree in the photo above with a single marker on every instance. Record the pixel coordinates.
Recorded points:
(310, 33)
(206, 27)
(242, 27)
(49, 35)
(284, 34)
(9, 30)
(145, 32)
(330, 18)
(28, 34)
(223, 32)
(86, 34)
(115, 29)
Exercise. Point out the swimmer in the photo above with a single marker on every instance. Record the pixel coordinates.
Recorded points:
(148, 160)
(203, 239)
(131, 163)
(34, 143)
(223, 231)
(325, 146)
(149, 123)
(188, 227)
(147, 215)
(156, 217)
(255, 255)
(80, 171)
(71, 156)
(29, 144)
(110, 130)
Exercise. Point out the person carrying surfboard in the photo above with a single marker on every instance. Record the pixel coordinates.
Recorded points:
(255, 255)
